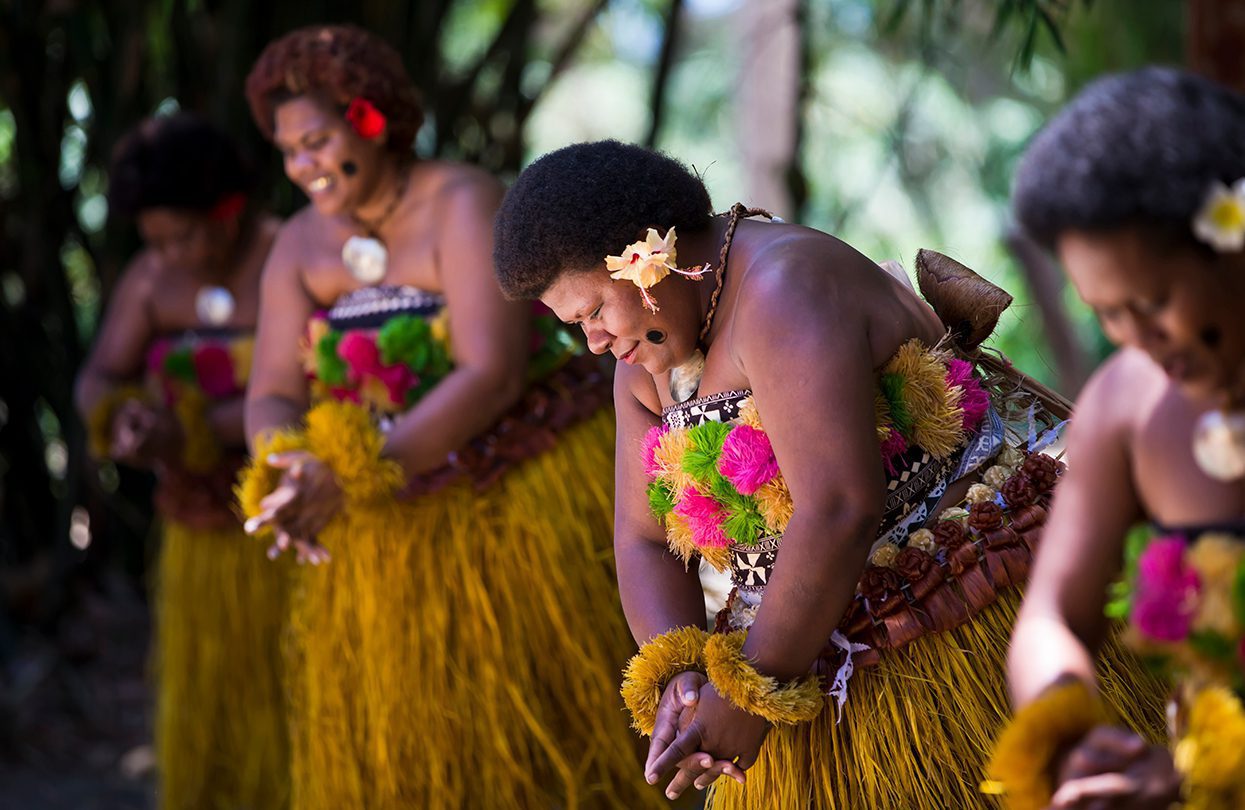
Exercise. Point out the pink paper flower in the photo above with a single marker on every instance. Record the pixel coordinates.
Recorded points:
(747, 459)
(894, 447)
(359, 351)
(1167, 590)
(651, 440)
(974, 401)
(704, 518)
(214, 369)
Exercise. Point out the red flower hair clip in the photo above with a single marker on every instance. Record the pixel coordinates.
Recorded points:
(228, 207)
(367, 121)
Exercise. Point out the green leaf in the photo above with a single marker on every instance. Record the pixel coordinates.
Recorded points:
(180, 365)
(1238, 593)
(701, 461)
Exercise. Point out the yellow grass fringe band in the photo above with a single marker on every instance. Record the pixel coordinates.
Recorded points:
(1023, 758)
(99, 419)
(738, 682)
(919, 727)
(219, 606)
(460, 650)
(648, 672)
(1211, 752)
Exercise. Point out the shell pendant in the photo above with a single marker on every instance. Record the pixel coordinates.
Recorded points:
(685, 379)
(366, 258)
(1219, 444)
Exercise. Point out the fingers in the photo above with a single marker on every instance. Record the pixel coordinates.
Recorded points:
(687, 687)
(287, 460)
(309, 551)
(719, 769)
(682, 747)
(1105, 749)
(690, 769)
(1081, 792)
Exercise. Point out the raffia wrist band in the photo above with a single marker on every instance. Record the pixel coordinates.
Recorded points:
(647, 673)
(737, 681)
(1020, 768)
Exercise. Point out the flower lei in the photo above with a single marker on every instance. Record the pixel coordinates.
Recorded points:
(1186, 607)
(715, 484)
(391, 368)
(647, 262)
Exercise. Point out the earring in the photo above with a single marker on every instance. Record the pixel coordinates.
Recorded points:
(655, 336)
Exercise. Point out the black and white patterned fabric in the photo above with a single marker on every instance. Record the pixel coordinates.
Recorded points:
(722, 407)
(370, 307)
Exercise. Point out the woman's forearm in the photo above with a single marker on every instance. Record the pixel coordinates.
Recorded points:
(809, 591)
(462, 406)
(228, 422)
(1044, 649)
(658, 592)
(267, 413)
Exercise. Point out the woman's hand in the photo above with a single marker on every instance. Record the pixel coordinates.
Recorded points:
(719, 740)
(143, 436)
(304, 501)
(1112, 768)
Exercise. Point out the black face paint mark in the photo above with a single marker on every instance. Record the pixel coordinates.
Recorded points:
(1211, 336)
(655, 336)
(349, 168)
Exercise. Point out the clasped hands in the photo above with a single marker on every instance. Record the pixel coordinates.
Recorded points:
(1111, 768)
(701, 736)
(303, 502)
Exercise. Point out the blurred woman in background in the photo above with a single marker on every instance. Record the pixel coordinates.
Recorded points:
(442, 454)
(163, 390)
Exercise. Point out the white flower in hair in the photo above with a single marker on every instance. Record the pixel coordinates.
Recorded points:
(1220, 222)
(647, 262)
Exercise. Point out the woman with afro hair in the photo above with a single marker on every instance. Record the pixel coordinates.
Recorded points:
(792, 414)
(1139, 186)
(440, 456)
(163, 390)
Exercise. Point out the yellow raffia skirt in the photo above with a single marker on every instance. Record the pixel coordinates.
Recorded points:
(918, 728)
(220, 606)
(462, 650)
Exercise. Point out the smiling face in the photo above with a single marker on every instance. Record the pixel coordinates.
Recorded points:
(316, 142)
(1177, 306)
(615, 320)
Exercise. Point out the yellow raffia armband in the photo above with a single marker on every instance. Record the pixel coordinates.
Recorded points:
(99, 420)
(342, 436)
(1211, 753)
(649, 670)
(1020, 768)
(257, 478)
(738, 681)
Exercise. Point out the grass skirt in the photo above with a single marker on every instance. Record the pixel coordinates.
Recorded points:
(220, 720)
(462, 649)
(918, 728)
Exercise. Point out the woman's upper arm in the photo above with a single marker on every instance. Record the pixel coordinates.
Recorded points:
(1094, 506)
(812, 378)
(487, 332)
(124, 335)
(284, 308)
(633, 521)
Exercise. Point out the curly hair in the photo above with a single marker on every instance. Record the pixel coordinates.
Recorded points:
(178, 161)
(576, 205)
(1133, 149)
(336, 63)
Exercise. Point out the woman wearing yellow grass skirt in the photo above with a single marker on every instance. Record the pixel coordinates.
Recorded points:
(1137, 186)
(872, 481)
(453, 645)
(188, 303)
